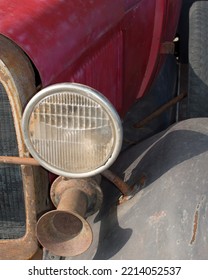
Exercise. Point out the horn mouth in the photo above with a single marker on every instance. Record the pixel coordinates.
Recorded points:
(67, 224)
(65, 232)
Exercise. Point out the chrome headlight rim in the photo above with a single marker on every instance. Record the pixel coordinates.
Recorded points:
(84, 91)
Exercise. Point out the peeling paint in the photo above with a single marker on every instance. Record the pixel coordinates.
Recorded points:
(184, 217)
(157, 217)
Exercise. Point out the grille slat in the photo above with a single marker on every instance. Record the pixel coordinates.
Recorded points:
(12, 207)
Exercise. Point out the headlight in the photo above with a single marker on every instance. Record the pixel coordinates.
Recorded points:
(72, 130)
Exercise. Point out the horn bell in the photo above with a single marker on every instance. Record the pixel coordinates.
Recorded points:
(65, 231)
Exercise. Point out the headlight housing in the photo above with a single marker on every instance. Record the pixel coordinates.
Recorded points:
(72, 130)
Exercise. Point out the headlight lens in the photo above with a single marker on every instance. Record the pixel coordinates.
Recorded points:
(72, 130)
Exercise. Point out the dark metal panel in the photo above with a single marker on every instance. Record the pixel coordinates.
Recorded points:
(168, 217)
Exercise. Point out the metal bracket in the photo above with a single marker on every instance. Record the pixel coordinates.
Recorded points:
(167, 48)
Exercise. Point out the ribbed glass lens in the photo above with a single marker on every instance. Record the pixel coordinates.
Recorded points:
(71, 132)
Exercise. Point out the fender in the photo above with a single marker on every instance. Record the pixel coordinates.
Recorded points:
(167, 218)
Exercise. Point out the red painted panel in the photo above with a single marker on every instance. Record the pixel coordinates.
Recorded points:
(103, 70)
(54, 33)
(113, 46)
(138, 26)
(156, 41)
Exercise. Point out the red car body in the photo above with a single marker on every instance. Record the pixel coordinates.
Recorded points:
(116, 47)
(112, 46)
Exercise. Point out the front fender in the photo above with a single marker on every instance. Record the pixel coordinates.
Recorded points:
(168, 217)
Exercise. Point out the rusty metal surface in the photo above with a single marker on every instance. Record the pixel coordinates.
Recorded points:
(90, 186)
(126, 190)
(121, 185)
(65, 231)
(167, 48)
(167, 218)
(19, 160)
(17, 78)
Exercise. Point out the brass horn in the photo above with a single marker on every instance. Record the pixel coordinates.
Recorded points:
(65, 231)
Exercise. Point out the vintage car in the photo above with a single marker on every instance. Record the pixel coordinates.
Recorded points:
(71, 180)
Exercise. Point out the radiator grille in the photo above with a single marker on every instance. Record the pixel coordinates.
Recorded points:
(12, 207)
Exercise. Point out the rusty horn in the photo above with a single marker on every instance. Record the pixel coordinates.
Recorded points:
(65, 231)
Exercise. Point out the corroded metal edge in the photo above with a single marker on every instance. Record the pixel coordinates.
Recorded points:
(17, 77)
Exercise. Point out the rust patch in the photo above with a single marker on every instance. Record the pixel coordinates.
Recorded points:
(196, 219)
(124, 188)
(142, 181)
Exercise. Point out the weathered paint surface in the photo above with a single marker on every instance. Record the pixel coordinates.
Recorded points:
(116, 52)
(168, 217)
